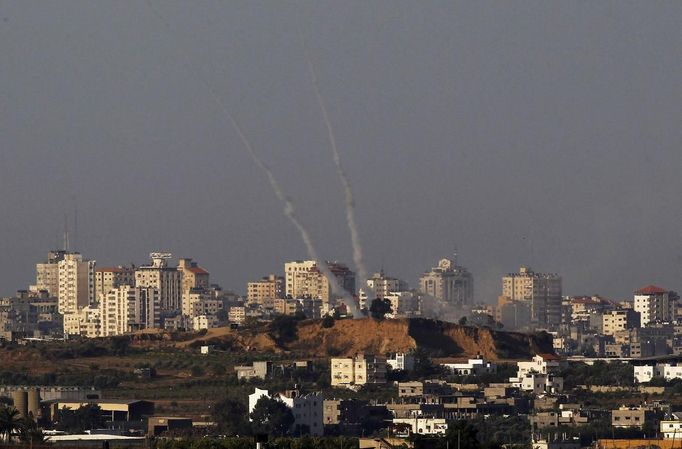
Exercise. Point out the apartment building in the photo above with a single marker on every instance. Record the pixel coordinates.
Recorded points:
(267, 288)
(381, 285)
(303, 279)
(541, 291)
(86, 322)
(449, 283)
(110, 278)
(619, 320)
(76, 282)
(654, 304)
(359, 370)
(128, 309)
(47, 274)
(167, 280)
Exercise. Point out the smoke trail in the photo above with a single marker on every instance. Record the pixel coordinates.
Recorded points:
(358, 258)
(289, 210)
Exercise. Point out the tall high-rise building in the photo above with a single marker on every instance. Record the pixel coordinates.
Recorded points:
(267, 288)
(654, 304)
(167, 280)
(110, 278)
(128, 309)
(541, 291)
(47, 273)
(76, 282)
(449, 282)
(195, 281)
(305, 280)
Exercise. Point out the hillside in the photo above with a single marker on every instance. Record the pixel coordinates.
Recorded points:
(348, 337)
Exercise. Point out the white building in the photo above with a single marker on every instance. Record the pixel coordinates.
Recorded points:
(47, 274)
(424, 426)
(76, 283)
(308, 409)
(400, 361)
(541, 364)
(473, 367)
(653, 304)
(539, 383)
(128, 309)
(646, 373)
(672, 428)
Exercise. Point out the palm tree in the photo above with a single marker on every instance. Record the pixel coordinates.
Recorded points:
(10, 422)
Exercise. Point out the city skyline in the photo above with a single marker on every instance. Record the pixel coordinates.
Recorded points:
(532, 134)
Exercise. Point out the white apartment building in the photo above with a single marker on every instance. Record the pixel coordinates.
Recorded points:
(539, 383)
(359, 370)
(76, 283)
(303, 279)
(542, 291)
(653, 304)
(448, 282)
(236, 314)
(167, 280)
(473, 367)
(128, 309)
(382, 285)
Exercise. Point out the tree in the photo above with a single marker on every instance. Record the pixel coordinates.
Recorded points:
(84, 418)
(379, 308)
(284, 328)
(463, 321)
(222, 315)
(120, 345)
(272, 416)
(328, 321)
(10, 422)
(462, 434)
(230, 416)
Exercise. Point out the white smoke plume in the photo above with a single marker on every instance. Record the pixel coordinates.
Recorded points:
(358, 254)
(289, 210)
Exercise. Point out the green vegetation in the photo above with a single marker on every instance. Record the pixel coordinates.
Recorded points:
(271, 417)
(601, 373)
(379, 308)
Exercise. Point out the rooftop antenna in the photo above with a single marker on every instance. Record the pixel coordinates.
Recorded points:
(454, 256)
(66, 233)
(75, 226)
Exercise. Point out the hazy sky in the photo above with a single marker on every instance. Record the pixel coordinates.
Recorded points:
(519, 132)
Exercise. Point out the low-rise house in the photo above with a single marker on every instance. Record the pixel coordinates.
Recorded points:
(423, 426)
(671, 426)
(258, 370)
(667, 371)
(473, 367)
(359, 370)
(626, 417)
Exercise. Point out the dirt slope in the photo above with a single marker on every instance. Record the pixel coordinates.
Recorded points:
(348, 337)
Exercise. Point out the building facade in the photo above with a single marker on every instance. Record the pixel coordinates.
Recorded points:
(76, 283)
(449, 283)
(303, 279)
(167, 280)
(267, 288)
(541, 291)
(654, 304)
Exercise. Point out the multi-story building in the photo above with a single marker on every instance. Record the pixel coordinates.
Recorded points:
(400, 361)
(194, 280)
(654, 304)
(513, 314)
(267, 288)
(76, 283)
(86, 322)
(110, 278)
(128, 309)
(167, 280)
(29, 314)
(359, 370)
(542, 291)
(628, 417)
(449, 283)
(47, 274)
(381, 285)
(619, 320)
(304, 279)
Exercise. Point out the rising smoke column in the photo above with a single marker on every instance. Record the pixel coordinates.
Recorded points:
(289, 210)
(358, 257)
